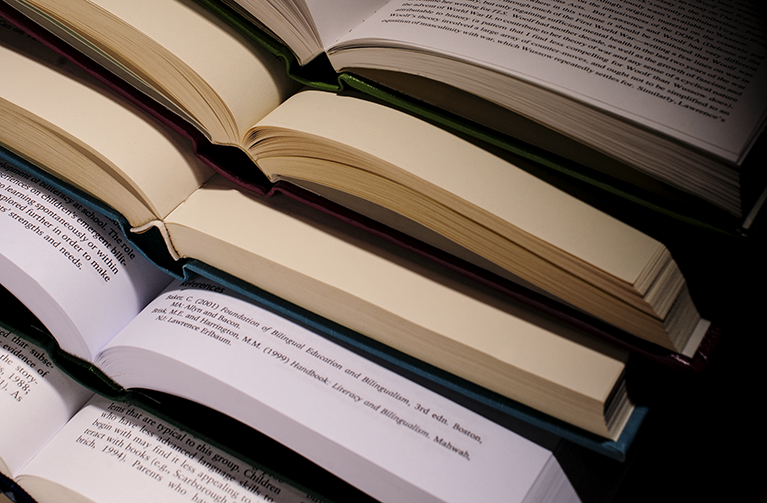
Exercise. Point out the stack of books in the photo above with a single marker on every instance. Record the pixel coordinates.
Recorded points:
(387, 191)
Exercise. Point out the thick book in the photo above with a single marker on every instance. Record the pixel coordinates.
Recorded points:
(116, 452)
(595, 478)
(456, 327)
(526, 333)
(63, 441)
(660, 89)
(198, 340)
(493, 214)
(561, 147)
(661, 92)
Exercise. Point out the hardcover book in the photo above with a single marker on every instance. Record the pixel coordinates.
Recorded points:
(517, 350)
(63, 441)
(662, 89)
(384, 434)
(663, 96)
(494, 213)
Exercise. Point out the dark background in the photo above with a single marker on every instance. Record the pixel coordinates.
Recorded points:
(704, 439)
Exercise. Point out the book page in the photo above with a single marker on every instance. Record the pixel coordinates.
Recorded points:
(65, 121)
(692, 70)
(36, 400)
(379, 431)
(115, 452)
(334, 21)
(248, 80)
(371, 286)
(306, 26)
(439, 166)
(71, 266)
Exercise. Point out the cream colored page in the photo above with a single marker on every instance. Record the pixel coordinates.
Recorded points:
(249, 81)
(451, 166)
(155, 163)
(106, 61)
(36, 400)
(334, 268)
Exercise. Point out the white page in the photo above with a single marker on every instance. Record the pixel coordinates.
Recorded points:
(307, 26)
(70, 265)
(652, 63)
(381, 432)
(334, 20)
(36, 400)
(115, 453)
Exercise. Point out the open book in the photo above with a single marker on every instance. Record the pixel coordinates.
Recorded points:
(63, 443)
(114, 452)
(398, 299)
(671, 91)
(384, 434)
(368, 156)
